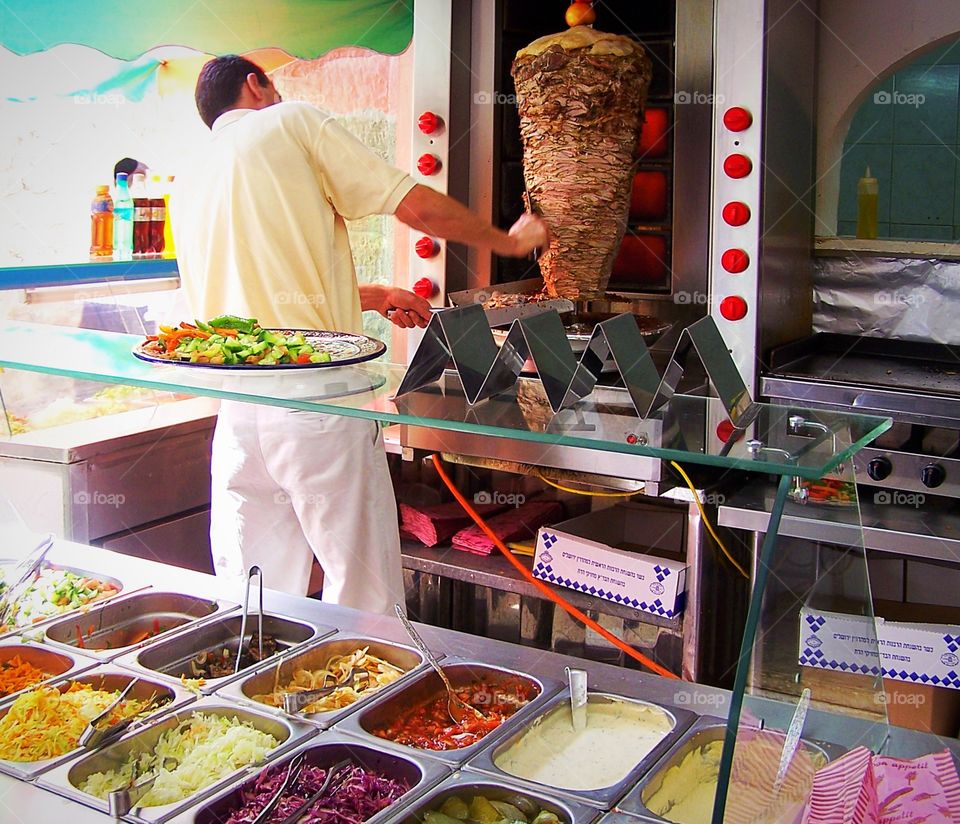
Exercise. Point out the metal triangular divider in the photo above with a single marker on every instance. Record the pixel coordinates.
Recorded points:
(462, 335)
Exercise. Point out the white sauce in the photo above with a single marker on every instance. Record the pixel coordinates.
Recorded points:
(618, 735)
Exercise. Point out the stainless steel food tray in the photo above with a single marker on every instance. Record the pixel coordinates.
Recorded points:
(703, 731)
(119, 618)
(421, 773)
(427, 685)
(58, 664)
(37, 625)
(170, 657)
(314, 657)
(603, 797)
(66, 778)
(108, 678)
(467, 783)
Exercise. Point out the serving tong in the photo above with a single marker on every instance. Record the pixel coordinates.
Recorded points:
(120, 802)
(254, 570)
(458, 709)
(29, 566)
(293, 702)
(94, 735)
(293, 773)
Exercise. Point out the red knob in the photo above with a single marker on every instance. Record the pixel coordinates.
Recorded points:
(426, 247)
(428, 164)
(737, 165)
(733, 308)
(429, 122)
(425, 288)
(724, 430)
(737, 118)
(736, 213)
(734, 260)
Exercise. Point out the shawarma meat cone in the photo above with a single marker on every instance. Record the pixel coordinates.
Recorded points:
(580, 94)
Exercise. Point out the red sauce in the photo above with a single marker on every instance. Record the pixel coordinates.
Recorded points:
(428, 726)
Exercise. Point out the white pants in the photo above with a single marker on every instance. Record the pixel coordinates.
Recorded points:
(289, 485)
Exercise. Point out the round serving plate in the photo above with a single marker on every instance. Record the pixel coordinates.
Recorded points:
(344, 349)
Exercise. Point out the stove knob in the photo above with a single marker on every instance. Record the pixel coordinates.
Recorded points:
(932, 475)
(737, 118)
(736, 213)
(429, 122)
(428, 164)
(879, 469)
(733, 308)
(737, 165)
(425, 288)
(734, 261)
(426, 247)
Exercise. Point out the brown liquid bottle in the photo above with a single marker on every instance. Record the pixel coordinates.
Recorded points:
(158, 212)
(101, 225)
(141, 216)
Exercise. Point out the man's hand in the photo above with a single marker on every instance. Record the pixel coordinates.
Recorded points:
(399, 306)
(528, 233)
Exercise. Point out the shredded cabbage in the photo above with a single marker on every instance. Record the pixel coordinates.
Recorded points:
(205, 748)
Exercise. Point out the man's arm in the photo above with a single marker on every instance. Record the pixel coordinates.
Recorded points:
(426, 210)
(400, 306)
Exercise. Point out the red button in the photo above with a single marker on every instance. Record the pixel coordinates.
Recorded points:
(632, 439)
(724, 430)
(426, 247)
(737, 165)
(737, 118)
(734, 261)
(425, 288)
(428, 164)
(733, 308)
(736, 213)
(429, 122)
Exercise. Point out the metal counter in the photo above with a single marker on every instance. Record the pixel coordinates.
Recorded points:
(29, 802)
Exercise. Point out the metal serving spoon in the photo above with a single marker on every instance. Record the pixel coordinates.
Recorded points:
(458, 709)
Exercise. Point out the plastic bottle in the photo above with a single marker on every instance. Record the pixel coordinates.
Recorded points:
(101, 225)
(158, 208)
(169, 251)
(868, 195)
(141, 216)
(123, 221)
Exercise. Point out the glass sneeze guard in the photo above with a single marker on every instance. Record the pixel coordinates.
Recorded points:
(673, 433)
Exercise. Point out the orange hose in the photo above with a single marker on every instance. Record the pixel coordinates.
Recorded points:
(549, 593)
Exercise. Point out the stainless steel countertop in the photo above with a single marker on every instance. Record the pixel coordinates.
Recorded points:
(23, 802)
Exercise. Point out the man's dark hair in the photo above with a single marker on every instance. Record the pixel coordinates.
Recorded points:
(220, 82)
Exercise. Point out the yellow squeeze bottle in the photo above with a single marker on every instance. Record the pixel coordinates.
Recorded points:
(868, 194)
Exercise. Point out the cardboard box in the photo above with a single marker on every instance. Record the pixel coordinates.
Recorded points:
(599, 554)
(919, 652)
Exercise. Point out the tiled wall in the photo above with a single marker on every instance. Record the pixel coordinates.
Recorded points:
(908, 133)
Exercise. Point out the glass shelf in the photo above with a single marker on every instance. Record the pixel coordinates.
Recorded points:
(603, 421)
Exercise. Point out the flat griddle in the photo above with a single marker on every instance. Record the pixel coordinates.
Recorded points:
(891, 365)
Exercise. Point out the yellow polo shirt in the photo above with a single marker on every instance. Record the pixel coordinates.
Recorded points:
(258, 217)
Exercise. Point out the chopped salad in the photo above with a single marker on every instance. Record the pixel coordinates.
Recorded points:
(53, 592)
(230, 341)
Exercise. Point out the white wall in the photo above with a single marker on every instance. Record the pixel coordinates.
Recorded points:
(861, 42)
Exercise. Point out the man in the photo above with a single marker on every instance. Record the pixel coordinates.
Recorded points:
(259, 222)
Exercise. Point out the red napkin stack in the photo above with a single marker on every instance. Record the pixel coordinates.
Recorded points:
(514, 524)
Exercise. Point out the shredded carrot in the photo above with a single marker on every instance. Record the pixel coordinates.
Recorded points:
(17, 674)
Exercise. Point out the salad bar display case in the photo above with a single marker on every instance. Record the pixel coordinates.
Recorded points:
(268, 741)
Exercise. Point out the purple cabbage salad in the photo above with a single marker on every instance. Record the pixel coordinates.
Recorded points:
(354, 795)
